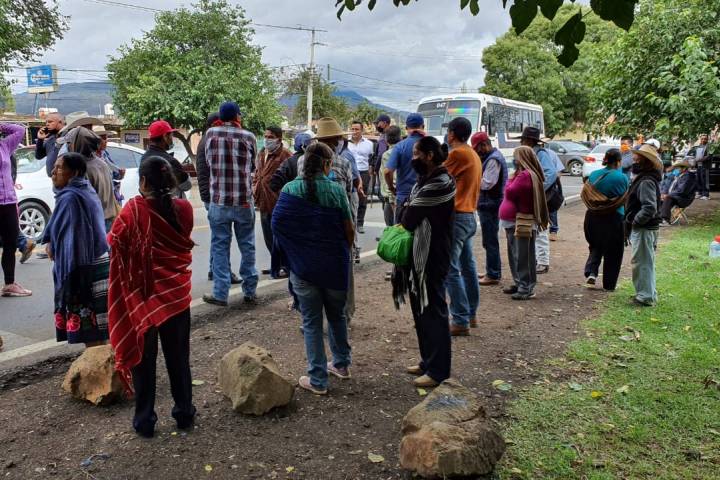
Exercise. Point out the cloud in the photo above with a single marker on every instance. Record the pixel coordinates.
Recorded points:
(429, 43)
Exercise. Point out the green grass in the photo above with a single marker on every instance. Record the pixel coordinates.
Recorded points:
(666, 422)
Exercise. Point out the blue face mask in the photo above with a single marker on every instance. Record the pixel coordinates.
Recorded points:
(676, 171)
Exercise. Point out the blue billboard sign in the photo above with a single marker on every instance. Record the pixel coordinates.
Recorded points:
(42, 79)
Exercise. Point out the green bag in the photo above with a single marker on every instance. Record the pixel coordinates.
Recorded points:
(396, 246)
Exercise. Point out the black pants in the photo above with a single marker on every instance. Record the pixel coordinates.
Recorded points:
(265, 223)
(521, 258)
(606, 240)
(175, 338)
(362, 204)
(666, 208)
(9, 231)
(433, 330)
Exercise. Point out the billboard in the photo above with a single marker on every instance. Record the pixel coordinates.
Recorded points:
(42, 79)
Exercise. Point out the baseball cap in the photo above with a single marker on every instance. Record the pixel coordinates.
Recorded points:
(383, 118)
(229, 111)
(478, 138)
(414, 120)
(159, 128)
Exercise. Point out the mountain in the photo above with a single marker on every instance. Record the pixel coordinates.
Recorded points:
(92, 96)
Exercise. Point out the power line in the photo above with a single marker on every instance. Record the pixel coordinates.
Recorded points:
(389, 82)
(467, 58)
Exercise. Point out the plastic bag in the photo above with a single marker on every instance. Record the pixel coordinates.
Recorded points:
(396, 246)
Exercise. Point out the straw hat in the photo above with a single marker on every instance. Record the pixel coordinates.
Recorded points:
(76, 119)
(329, 128)
(650, 153)
(683, 162)
(100, 131)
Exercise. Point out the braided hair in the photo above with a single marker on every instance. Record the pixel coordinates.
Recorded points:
(162, 182)
(317, 156)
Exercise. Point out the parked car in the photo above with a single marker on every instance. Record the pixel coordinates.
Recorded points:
(714, 153)
(593, 160)
(571, 155)
(36, 199)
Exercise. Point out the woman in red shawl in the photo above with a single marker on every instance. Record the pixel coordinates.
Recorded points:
(149, 293)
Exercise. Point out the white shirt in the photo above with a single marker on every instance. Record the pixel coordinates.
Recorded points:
(362, 151)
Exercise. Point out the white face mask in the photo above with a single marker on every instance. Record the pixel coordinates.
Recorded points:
(272, 145)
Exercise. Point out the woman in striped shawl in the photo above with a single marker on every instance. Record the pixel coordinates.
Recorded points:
(429, 213)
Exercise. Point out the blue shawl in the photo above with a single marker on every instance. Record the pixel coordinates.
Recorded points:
(76, 230)
(310, 240)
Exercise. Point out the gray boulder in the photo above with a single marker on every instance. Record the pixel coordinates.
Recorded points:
(251, 379)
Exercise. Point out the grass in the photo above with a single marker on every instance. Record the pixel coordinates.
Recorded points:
(637, 397)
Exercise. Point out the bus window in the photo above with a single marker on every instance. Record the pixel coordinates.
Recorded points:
(469, 109)
(434, 115)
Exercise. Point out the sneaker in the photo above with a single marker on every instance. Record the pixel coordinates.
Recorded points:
(15, 290)
(388, 276)
(304, 383)
(41, 254)
(342, 373)
(415, 370)
(458, 331)
(235, 280)
(207, 298)
(265, 271)
(522, 296)
(510, 290)
(553, 236)
(590, 281)
(28, 251)
(705, 197)
(639, 303)
(282, 273)
(250, 299)
(361, 229)
(665, 223)
(425, 381)
(541, 269)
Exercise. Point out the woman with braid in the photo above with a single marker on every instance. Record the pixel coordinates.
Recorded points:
(313, 232)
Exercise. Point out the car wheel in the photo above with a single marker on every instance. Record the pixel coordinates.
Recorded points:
(575, 168)
(33, 219)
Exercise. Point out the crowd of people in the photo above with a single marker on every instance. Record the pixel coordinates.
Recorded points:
(121, 267)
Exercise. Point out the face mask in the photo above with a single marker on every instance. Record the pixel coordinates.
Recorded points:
(272, 145)
(380, 129)
(636, 168)
(419, 166)
(676, 171)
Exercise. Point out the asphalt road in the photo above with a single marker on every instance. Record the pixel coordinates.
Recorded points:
(25, 321)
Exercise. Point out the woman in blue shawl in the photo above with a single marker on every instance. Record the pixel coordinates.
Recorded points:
(312, 234)
(75, 241)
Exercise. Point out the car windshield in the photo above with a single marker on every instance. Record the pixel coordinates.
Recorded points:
(573, 147)
(26, 161)
(603, 148)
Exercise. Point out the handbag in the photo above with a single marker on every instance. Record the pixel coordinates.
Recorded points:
(396, 246)
(524, 223)
(554, 196)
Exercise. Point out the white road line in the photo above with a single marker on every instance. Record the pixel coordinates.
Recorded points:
(52, 343)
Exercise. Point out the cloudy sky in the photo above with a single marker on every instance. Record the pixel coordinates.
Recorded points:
(430, 45)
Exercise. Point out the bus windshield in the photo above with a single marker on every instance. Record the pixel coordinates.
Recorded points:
(437, 114)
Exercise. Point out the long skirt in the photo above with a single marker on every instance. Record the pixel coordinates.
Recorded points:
(81, 304)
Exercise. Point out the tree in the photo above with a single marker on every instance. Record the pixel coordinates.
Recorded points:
(27, 28)
(188, 64)
(661, 77)
(524, 67)
(325, 103)
(523, 12)
(366, 112)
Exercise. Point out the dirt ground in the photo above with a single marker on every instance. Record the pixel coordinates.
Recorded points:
(44, 433)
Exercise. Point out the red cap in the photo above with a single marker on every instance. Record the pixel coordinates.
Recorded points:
(479, 137)
(159, 128)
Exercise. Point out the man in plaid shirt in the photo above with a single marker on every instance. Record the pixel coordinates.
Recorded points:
(230, 153)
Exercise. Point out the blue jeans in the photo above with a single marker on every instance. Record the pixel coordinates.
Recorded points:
(22, 242)
(490, 227)
(222, 222)
(462, 283)
(313, 300)
(554, 225)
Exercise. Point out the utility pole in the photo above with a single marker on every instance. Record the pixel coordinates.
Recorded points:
(328, 73)
(311, 79)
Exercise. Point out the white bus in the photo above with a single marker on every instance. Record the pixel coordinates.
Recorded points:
(501, 118)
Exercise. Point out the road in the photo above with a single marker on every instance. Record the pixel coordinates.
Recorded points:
(25, 321)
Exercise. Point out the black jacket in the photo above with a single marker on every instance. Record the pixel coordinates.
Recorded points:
(642, 209)
(203, 172)
(286, 172)
(183, 179)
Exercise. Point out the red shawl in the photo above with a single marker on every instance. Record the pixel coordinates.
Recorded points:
(150, 277)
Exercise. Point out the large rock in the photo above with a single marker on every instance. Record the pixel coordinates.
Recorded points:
(251, 379)
(449, 434)
(93, 378)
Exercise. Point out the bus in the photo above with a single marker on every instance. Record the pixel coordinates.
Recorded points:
(501, 118)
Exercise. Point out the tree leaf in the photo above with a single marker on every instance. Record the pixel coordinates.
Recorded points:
(549, 8)
(522, 13)
(620, 12)
(474, 7)
(502, 385)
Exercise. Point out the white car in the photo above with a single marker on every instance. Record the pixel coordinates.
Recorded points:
(34, 189)
(593, 160)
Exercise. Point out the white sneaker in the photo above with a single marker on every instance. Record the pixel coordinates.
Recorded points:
(590, 281)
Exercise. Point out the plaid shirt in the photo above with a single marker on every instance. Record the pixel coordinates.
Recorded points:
(230, 155)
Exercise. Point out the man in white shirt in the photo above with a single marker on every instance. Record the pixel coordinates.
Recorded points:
(362, 149)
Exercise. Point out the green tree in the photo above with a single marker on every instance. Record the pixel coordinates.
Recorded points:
(188, 64)
(568, 35)
(366, 112)
(524, 67)
(325, 103)
(27, 28)
(661, 77)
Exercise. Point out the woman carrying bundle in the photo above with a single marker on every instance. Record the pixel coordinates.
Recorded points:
(604, 196)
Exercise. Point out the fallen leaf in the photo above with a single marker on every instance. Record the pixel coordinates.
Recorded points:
(686, 328)
(596, 394)
(575, 386)
(624, 389)
(356, 452)
(290, 469)
(208, 468)
(197, 383)
(607, 427)
(422, 392)
(173, 434)
(516, 471)
(502, 385)
(375, 458)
